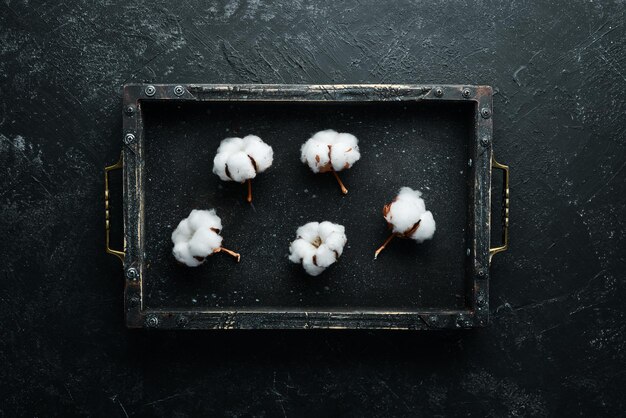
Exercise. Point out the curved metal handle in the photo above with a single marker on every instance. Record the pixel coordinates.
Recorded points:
(117, 165)
(505, 210)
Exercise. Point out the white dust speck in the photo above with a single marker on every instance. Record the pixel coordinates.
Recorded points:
(20, 143)
(230, 8)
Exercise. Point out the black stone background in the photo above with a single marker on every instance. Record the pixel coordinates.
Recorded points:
(556, 344)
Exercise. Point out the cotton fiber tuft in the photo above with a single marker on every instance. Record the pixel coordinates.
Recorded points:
(317, 246)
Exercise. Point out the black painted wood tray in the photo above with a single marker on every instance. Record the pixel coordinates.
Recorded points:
(437, 139)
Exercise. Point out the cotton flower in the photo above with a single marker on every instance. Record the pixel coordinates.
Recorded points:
(317, 246)
(330, 151)
(197, 237)
(240, 160)
(407, 217)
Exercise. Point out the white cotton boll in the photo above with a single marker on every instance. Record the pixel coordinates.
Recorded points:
(227, 147)
(407, 216)
(197, 236)
(330, 149)
(240, 159)
(261, 153)
(344, 152)
(230, 146)
(403, 215)
(336, 241)
(414, 196)
(327, 137)
(300, 249)
(183, 232)
(317, 246)
(426, 229)
(311, 268)
(240, 167)
(182, 254)
(309, 231)
(324, 256)
(348, 140)
(333, 236)
(203, 219)
(203, 242)
(219, 166)
(325, 229)
(406, 210)
(315, 155)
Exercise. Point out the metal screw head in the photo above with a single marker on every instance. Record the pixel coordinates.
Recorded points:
(438, 91)
(134, 301)
(485, 113)
(130, 110)
(150, 90)
(179, 90)
(182, 321)
(466, 93)
(481, 273)
(484, 141)
(481, 300)
(129, 139)
(132, 273)
(152, 321)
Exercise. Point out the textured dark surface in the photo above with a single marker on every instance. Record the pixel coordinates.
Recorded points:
(556, 345)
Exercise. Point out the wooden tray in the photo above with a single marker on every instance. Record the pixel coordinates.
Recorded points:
(437, 139)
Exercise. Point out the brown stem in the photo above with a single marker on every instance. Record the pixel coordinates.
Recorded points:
(343, 188)
(249, 198)
(229, 252)
(382, 247)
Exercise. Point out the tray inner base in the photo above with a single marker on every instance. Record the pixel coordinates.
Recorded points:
(421, 145)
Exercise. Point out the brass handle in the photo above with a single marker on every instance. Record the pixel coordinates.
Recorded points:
(505, 210)
(117, 165)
